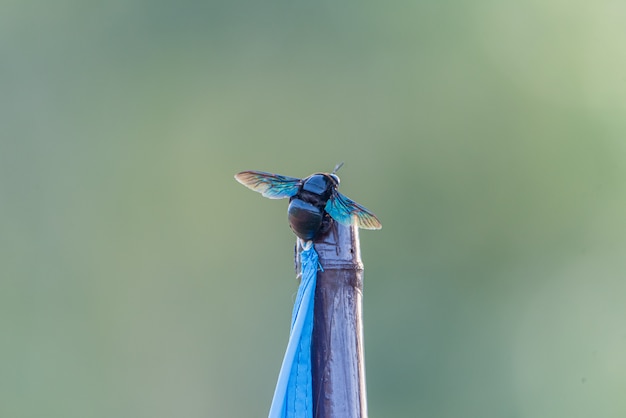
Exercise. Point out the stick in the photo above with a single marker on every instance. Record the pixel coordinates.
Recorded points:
(337, 343)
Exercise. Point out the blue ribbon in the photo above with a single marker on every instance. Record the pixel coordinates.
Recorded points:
(293, 396)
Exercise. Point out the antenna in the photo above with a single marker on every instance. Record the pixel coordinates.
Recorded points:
(337, 167)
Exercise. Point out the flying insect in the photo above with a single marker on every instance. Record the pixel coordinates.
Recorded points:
(314, 202)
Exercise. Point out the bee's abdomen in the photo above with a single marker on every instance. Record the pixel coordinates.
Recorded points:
(304, 218)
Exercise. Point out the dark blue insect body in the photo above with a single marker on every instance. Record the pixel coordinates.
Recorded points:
(314, 202)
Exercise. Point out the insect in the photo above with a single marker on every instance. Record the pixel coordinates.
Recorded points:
(313, 201)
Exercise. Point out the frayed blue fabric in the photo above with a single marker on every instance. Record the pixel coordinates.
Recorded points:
(293, 396)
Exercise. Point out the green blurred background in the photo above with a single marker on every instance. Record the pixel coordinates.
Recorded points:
(138, 279)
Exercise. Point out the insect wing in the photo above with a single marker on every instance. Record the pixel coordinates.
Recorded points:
(273, 186)
(347, 212)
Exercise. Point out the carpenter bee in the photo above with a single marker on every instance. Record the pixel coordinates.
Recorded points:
(313, 201)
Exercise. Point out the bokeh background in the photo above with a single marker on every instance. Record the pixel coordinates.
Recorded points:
(138, 279)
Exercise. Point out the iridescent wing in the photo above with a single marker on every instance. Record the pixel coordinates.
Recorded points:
(273, 186)
(348, 212)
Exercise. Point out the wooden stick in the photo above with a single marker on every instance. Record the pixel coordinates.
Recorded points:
(337, 344)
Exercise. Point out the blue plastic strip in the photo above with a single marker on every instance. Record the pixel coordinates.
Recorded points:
(293, 397)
